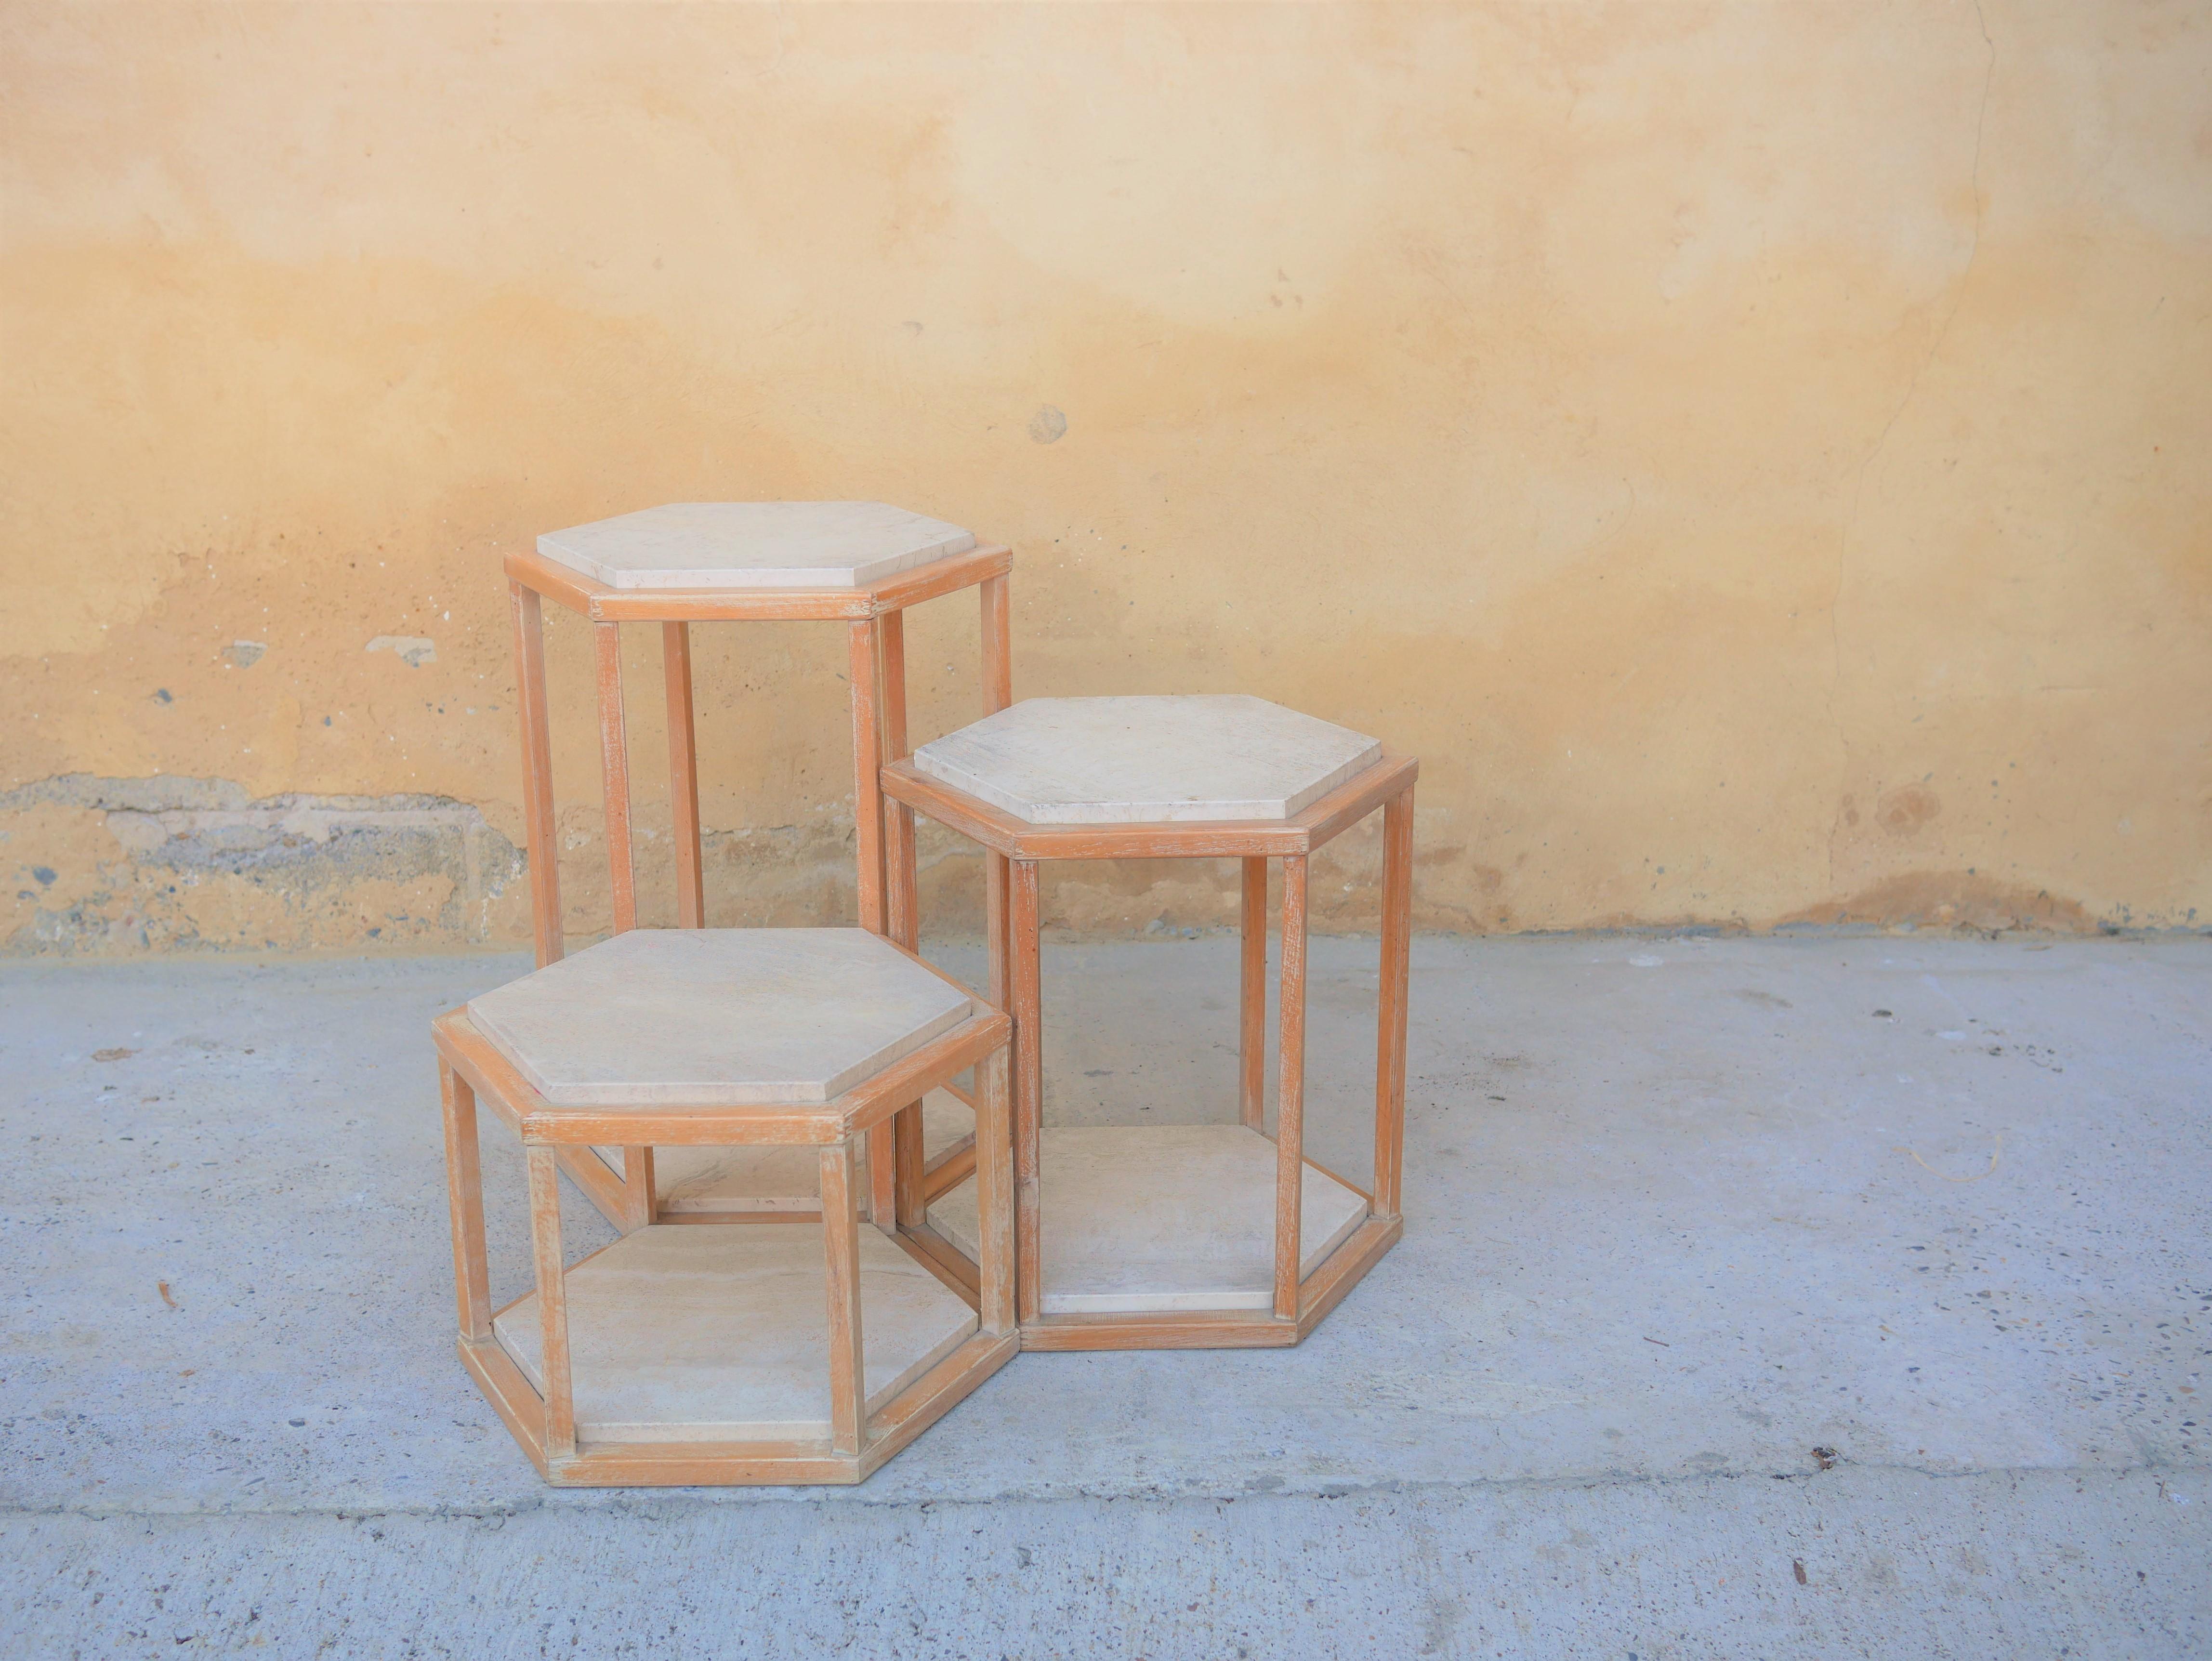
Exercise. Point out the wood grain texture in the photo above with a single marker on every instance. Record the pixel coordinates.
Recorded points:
(907, 1149)
(683, 776)
(882, 1174)
(902, 918)
(638, 1206)
(1337, 812)
(540, 846)
(1025, 992)
(465, 1200)
(1395, 979)
(1221, 1330)
(841, 1247)
(998, 644)
(943, 1259)
(867, 766)
(516, 1103)
(601, 602)
(995, 937)
(614, 775)
(1252, 997)
(950, 1168)
(1290, 1089)
(995, 1192)
(552, 1302)
(1344, 1269)
(939, 578)
(902, 909)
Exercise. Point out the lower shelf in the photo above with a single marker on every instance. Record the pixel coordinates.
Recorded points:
(722, 1334)
(1140, 1218)
(723, 1180)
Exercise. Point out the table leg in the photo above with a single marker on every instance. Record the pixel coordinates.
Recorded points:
(1291, 1090)
(998, 693)
(1025, 993)
(995, 1207)
(864, 670)
(841, 1248)
(907, 1204)
(865, 675)
(465, 1198)
(614, 775)
(1390, 1042)
(552, 1302)
(998, 645)
(540, 846)
(902, 903)
(683, 776)
(1252, 990)
(996, 937)
(638, 1198)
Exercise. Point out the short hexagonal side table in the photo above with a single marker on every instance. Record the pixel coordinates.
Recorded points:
(859, 562)
(1191, 1236)
(806, 1351)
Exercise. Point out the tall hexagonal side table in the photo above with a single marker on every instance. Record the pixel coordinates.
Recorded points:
(1189, 1236)
(785, 1352)
(860, 563)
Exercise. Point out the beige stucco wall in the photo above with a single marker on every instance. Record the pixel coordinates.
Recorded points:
(1754, 454)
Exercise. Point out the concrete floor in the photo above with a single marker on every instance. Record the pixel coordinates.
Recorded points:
(1680, 1213)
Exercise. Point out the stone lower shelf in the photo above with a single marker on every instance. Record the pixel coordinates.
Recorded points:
(1141, 1218)
(680, 1334)
(725, 1180)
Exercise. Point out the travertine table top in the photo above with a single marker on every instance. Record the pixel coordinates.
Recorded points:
(754, 544)
(718, 1017)
(1184, 757)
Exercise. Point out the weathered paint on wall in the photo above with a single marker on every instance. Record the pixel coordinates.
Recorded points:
(1754, 453)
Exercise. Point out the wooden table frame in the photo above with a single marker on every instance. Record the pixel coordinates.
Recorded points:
(471, 1070)
(1015, 851)
(874, 615)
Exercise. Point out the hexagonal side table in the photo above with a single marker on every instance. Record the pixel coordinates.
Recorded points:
(803, 1351)
(1192, 1236)
(860, 563)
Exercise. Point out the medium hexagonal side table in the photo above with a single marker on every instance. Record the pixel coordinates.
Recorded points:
(861, 562)
(806, 1351)
(1191, 1236)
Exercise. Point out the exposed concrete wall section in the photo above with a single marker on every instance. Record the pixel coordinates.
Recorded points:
(166, 862)
(1752, 453)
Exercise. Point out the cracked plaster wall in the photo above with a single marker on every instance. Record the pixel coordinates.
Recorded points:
(1752, 453)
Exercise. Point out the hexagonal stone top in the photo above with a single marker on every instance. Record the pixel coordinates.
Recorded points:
(1146, 760)
(755, 545)
(717, 1017)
